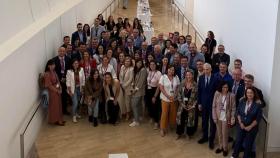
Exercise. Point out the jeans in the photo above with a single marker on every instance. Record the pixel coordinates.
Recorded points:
(125, 3)
(75, 99)
(93, 109)
(136, 104)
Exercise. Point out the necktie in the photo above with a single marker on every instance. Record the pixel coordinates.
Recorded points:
(182, 73)
(96, 31)
(234, 89)
(62, 65)
(207, 81)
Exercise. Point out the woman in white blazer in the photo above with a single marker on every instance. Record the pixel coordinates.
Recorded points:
(75, 82)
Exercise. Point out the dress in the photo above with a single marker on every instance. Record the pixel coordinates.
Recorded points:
(55, 105)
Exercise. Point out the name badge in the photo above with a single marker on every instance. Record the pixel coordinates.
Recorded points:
(111, 98)
(149, 87)
(186, 99)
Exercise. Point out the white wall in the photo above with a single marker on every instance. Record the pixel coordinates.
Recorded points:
(247, 29)
(28, 39)
(274, 108)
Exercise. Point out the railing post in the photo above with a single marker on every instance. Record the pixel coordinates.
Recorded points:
(194, 36)
(188, 27)
(21, 145)
(183, 25)
(111, 9)
(178, 15)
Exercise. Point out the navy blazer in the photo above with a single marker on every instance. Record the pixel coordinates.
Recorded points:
(67, 62)
(254, 113)
(76, 36)
(240, 92)
(206, 93)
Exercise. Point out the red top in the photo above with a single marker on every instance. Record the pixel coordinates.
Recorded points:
(88, 67)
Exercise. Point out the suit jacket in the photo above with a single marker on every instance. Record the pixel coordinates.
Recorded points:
(191, 101)
(76, 36)
(67, 62)
(133, 48)
(140, 82)
(259, 92)
(178, 72)
(150, 48)
(206, 93)
(240, 92)
(255, 113)
(126, 79)
(217, 106)
(99, 31)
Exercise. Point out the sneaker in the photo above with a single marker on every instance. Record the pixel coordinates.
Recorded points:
(133, 124)
(78, 116)
(75, 119)
(156, 126)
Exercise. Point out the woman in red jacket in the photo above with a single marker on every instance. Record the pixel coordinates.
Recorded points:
(87, 63)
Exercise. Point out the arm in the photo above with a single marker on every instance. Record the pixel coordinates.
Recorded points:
(129, 81)
(48, 83)
(142, 79)
(233, 109)
(214, 106)
(68, 83)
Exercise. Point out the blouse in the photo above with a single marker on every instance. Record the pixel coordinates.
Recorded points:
(169, 86)
(153, 78)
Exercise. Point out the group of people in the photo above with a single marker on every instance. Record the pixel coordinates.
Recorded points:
(112, 69)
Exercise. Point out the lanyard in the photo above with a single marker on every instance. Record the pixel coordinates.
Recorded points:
(125, 70)
(151, 77)
(104, 70)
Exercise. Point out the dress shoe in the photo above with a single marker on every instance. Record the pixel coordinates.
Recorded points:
(95, 122)
(225, 153)
(211, 145)
(90, 118)
(218, 151)
(202, 140)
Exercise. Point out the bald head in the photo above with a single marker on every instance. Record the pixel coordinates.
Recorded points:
(237, 74)
(157, 49)
(192, 48)
(61, 51)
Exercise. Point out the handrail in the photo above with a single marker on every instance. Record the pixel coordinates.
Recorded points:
(197, 33)
(265, 119)
(25, 128)
(109, 6)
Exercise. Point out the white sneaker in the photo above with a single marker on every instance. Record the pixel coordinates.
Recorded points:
(75, 119)
(156, 126)
(78, 116)
(133, 124)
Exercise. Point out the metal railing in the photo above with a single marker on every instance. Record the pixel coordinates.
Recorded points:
(262, 138)
(25, 129)
(110, 8)
(185, 22)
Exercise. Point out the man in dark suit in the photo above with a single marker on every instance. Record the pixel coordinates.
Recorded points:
(79, 34)
(62, 64)
(249, 82)
(180, 71)
(130, 49)
(238, 86)
(219, 57)
(151, 47)
(207, 86)
(199, 71)
(79, 54)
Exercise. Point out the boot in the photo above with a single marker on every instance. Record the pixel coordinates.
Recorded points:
(90, 118)
(95, 122)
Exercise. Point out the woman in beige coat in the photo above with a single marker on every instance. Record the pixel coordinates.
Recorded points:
(126, 79)
(223, 112)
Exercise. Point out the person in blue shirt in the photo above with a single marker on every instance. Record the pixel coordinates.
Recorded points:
(137, 38)
(223, 74)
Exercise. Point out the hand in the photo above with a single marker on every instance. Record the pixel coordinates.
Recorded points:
(242, 126)
(71, 94)
(248, 128)
(232, 121)
(115, 102)
(154, 100)
(200, 107)
(171, 98)
(215, 121)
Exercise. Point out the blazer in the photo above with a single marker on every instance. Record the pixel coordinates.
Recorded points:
(178, 71)
(240, 92)
(93, 91)
(99, 31)
(126, 79)
(217, 59)
(127, 50)
(191, 101)
(206, 93)
(70, 80)
(217, 105)
(140, 82)
(67, 62)
(76, 36)
(150, 48)
(255, 112)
